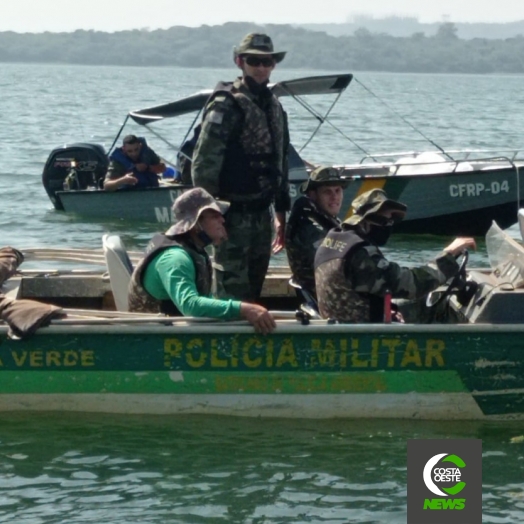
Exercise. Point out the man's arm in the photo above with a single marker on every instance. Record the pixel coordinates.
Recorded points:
(370, 272)
(302, 243)
(117, 177)
(282, 198)
(176, 273)
(172, 274)
(152, 163)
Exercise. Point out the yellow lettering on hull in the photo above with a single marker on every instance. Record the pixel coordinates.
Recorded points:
(255, 352)
(53, 358)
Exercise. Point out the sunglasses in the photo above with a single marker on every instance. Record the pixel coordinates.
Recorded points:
(255, 61)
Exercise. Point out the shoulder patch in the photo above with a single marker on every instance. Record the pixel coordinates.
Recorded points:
(215, 117)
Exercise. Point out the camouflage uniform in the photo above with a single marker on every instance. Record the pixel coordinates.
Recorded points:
(352, 275)
(186, 209)
(307, 227)
(241, 157)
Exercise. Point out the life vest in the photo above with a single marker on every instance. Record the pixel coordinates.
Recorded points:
(141, 301)
(254, 159)
(313, 224)
(336, 297)
(145, 179)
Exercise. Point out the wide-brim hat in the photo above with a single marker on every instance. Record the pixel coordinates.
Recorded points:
(188, 207)
(258, 44)
(369, 204)
(323, 176)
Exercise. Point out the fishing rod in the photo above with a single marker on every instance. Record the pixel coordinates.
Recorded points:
(405, 120)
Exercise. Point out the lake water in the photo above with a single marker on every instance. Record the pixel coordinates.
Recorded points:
(92, 469)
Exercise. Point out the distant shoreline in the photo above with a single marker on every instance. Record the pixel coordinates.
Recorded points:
(211, 47)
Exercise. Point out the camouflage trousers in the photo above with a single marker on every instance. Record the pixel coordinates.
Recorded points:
(240, 264)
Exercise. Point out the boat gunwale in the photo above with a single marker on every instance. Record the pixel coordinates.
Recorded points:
(182, 325)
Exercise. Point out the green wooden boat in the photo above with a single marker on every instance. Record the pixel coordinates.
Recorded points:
(447, 192)
(467, 364)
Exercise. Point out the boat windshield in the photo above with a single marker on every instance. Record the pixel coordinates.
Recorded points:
(506, 256)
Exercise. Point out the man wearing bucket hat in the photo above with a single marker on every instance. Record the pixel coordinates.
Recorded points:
(241, 156)
(353, 276)
(312, 216)
(175, 274)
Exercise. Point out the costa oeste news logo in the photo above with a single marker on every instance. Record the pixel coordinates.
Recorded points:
(445, 481)
(434, 476)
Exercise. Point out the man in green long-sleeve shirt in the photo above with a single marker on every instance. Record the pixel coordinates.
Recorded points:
(175, 274)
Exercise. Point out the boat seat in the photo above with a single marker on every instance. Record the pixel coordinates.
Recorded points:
(119, 267)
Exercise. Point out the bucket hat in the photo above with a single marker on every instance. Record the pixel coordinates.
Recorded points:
(323, 176)
(188, 207)
(258, 44)
(371, 202)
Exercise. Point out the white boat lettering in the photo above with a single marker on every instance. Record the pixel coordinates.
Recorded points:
(478, 188)
(164, 215)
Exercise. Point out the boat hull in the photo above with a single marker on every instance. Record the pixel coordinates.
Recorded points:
(459, 203)
(313, 371)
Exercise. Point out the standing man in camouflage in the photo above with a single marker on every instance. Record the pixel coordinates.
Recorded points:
(352, 275)
(312, 216)
(241, 157)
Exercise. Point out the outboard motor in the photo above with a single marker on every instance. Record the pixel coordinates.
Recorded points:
(89, 161)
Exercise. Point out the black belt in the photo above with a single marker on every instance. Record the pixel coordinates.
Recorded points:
(254, 206)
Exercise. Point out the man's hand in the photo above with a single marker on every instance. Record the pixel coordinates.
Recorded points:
(127, 180)
(259, 316)
(459, 245)
(157, 168)
(280, 231)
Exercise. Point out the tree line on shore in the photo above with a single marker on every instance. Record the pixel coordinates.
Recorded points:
(212, 46)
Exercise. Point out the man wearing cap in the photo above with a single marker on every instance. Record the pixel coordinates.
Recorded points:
(312, 216)
(352, 275)
(241, 156)
(175, 274)
(134, 165)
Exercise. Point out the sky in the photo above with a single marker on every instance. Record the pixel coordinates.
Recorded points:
(117, 15)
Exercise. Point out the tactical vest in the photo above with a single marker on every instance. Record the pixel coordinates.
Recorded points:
(141, 301)
(336, 296)
(254, 160)
(314, 224)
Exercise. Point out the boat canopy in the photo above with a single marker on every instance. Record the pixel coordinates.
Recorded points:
(312, 85)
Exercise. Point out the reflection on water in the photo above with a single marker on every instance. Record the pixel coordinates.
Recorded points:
(120, 469)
